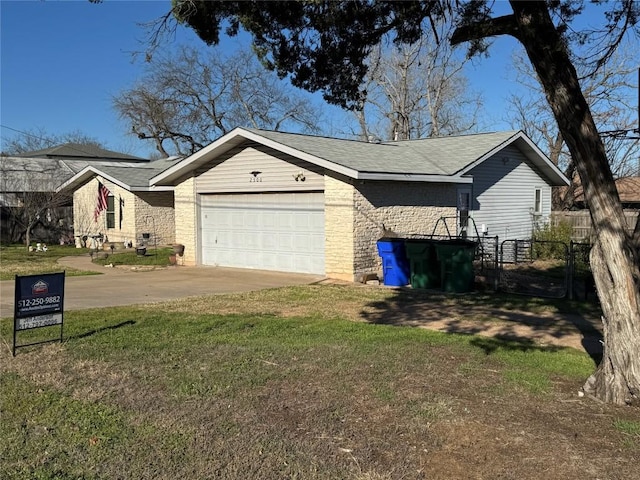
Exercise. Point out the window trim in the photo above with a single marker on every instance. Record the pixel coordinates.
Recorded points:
(537, 201)
(111, 211)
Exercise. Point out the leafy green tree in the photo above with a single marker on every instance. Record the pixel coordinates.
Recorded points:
(323, 46)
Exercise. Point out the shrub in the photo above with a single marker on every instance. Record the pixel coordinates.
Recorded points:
(555, 240)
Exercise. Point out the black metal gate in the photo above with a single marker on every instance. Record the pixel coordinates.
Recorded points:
(534, 267)
(582, 286)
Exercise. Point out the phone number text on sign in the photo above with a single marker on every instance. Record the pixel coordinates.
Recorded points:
(26, 303)
(40, 321)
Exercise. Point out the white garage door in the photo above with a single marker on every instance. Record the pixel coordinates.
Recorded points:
(268, 231)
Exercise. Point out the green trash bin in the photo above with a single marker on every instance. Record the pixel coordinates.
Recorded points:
(424, 267)
(456, 263)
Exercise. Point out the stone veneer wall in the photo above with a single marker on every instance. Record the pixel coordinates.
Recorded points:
(155, 215)
(407, 209)
(139, 212)
(85, 200)
(339, 227)
(186, 218)
(84, 204)
(357, 214)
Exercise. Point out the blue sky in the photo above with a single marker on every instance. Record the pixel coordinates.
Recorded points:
(61, 62)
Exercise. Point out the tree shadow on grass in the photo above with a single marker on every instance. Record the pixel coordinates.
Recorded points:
(100, 330)
(521, 320)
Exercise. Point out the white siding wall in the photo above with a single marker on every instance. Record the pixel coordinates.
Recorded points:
(232, 173)
(504, 194)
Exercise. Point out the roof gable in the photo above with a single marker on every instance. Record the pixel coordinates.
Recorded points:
(132, 176)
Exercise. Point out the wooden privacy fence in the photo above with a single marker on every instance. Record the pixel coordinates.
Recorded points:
(580, 221)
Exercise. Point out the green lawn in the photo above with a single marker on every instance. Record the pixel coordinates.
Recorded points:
(299, 383)
(157, 257)
(17, 260)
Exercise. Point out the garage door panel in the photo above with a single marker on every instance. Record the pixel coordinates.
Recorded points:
(264, 231)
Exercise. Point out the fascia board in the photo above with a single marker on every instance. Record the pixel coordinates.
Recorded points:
(86, 174)
(408, 177)
(547, 162)
(154, 188)
(196, 159)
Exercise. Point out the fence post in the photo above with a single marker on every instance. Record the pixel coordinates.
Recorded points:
(496, 277)
(571, 267)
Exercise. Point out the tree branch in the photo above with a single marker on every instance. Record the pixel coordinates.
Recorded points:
(491, 27)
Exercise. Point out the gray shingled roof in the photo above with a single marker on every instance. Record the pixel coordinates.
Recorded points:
(46, 170)
(129, 175)
(32, 174)
(432, 159)
(136, 175)
(431, 156)
(78, 150)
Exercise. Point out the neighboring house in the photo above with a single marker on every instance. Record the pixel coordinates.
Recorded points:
(133, 212)
(580, 219)
(628, 190)
(298, 203)
(33, 177)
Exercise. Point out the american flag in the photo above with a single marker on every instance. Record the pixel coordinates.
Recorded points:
(103, 193)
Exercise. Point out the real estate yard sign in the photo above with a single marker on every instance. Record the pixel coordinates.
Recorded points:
(39, 303)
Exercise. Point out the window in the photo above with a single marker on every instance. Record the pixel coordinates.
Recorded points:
(537, 206)
(464, 205)
(111, 212)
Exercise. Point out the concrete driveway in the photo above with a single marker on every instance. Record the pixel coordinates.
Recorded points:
(125, 286)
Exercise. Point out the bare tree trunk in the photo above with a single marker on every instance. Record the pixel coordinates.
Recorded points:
(614, 262)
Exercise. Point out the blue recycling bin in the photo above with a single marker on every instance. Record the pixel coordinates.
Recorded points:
(395, 265)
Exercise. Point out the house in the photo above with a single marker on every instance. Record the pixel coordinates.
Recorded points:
(28, 183)
(298, 203)
(628, 190)
(132, 211)
(580, 219)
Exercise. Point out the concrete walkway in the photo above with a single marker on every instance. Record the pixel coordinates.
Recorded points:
(130, 285)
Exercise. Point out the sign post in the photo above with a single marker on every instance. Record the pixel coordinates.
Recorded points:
(39, 302)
